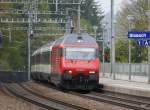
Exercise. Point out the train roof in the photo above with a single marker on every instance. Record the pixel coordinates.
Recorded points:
(44, 48)
(75, 39)
(69, 39)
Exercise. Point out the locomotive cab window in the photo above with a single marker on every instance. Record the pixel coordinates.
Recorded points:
(80, 53)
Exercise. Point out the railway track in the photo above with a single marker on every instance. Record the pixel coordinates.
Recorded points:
(135, 104)
(112, 99)
(39, 100)
(119, 101)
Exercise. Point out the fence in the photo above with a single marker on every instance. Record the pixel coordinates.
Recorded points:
(139, 72)
(6, 76)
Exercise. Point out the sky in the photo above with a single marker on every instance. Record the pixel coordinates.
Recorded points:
(106, 8)
(106, 5)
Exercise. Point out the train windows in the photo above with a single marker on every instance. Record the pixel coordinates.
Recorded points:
(46, 57)
(38, 58)
(80, 53)
(33, 60)
(41, 58)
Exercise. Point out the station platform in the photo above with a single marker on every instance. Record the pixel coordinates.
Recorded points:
(126, 87)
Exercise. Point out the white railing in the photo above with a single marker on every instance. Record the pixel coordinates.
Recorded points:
(139, 71)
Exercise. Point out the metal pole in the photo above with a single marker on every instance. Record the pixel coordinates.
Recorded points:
(68, 20)
(29, 45)
(79, 10)
(149, 58)
(35, 10)
(129, 54)
(10, 39)
(29, 63)
(56, 5)
(148, 15)
(1, 38)
(130, 20)
(112, 40)
(103, 53)
(95, 32)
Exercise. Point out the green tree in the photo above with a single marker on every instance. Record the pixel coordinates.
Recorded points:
(122, 51)
(13, 56)
(92, 12)
(137, 8)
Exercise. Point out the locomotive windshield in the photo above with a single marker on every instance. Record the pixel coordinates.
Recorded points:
(80, 53)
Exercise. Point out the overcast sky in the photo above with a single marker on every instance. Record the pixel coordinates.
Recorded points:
(106, 5)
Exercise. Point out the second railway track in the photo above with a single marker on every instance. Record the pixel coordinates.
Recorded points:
(39, 100)
(123, 102)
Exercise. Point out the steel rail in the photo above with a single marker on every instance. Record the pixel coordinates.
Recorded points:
(107, 98)
(131, 104)
(115, 100)
(48, 98)
(39, 100)
(134, 101)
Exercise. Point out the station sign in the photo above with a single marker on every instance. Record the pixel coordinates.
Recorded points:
(139, 35)
(143, 42)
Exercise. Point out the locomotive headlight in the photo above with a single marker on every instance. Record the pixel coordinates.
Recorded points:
(92, 72)
(70, 72)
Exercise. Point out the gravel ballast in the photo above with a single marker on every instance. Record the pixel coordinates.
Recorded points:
(69, 98)
(9, 102)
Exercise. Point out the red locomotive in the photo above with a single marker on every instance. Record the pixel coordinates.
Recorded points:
(70, 62)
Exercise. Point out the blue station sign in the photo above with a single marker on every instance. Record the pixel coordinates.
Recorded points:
(139, 35)
(143, 42)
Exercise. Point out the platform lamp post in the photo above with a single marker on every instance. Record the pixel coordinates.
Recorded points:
(79, 17)
(112, 62)
(103, 52)
(56, 6)
(95, 31)
(30, 35)
(148, 15)
(130, 19)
